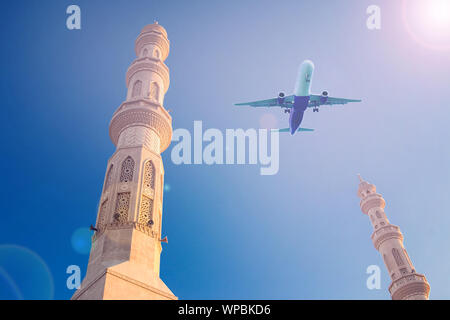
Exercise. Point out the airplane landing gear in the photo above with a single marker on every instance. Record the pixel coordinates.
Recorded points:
(315, 109)
(287, 110)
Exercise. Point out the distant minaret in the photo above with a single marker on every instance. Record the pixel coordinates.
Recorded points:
(125, 255)
(388, 240)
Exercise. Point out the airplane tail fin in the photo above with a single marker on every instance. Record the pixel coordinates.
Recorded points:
(289, 130)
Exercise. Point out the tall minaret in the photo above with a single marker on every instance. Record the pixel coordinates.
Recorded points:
(388, 240)
(125, 254)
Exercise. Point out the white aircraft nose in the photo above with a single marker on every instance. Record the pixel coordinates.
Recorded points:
(308, 62)
(304, 76)
(307, 66)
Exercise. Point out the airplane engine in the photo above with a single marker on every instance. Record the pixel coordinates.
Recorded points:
(324, 97)
(281, 98)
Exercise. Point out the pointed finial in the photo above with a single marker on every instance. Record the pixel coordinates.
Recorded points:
(360, 179)
(155, 22)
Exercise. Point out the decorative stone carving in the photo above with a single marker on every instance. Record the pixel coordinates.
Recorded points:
(141, 117)
(124, 187)
(146, 211)
(127, 225)
(122, 207)
(126, 173)
(139, 136)
(149, 175)
(149, 193)
(102, 216)
(412, 286)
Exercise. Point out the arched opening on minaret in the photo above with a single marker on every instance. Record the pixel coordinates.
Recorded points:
(397, 257)
(122, 207)
(157, 53)
(137, 87)
(154, 91)
(149, 175)
(146, 211)
(126, 173)
(145, 52)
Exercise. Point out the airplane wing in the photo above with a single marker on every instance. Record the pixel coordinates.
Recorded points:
(269, 103)
(318, 100)
(289, 130)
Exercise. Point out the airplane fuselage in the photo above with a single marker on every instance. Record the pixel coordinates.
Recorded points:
(301, 95)
(301, 99)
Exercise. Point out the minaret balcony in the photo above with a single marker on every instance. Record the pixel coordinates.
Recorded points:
(146, 103)
(148, 230)
(373, 200)
(151, 60)
(410, 285)
(149, 65)
(142, 116)
(385, 233)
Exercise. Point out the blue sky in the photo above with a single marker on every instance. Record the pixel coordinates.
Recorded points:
(233, 234)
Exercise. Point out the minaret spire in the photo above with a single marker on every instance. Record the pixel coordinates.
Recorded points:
(125, 255)
(388, 240)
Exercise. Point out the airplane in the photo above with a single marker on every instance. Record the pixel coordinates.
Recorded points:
(300, 100)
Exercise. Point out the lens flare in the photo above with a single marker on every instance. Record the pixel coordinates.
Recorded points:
(81, 240)
(428, 22)
(268, 121)
(24, 275)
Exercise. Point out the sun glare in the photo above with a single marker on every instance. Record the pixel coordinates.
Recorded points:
(428, 22)
(438, 12)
